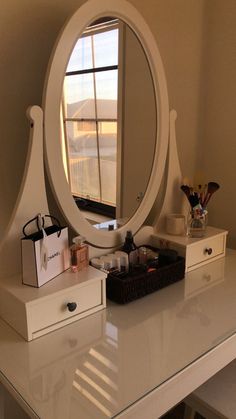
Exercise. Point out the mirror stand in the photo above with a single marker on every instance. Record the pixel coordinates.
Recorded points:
(174, 199)
(89, 12)
(31, 199)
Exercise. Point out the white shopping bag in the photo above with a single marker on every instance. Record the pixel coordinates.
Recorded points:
(45, 253)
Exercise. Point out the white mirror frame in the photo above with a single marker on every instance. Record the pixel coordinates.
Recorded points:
(86, 14)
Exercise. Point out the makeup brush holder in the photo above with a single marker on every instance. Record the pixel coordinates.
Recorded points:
(197, 222)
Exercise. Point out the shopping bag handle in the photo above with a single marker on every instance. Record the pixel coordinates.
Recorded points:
(41, 227)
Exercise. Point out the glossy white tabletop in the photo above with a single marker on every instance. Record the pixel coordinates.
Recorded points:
(100, 365)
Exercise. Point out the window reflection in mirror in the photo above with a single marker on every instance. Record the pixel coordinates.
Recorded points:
(97, 138)
(90, 117)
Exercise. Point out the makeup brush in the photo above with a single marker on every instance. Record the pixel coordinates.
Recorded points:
(193, 199)
(199, 178)
(211, 188)
(191, 195)
(186, 190)
(203, 193)
(199, 189)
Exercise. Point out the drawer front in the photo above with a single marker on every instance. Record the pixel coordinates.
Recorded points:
(205, 250)
(203, 278)
(55, 309)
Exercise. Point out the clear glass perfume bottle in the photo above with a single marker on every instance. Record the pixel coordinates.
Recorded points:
(79, 254)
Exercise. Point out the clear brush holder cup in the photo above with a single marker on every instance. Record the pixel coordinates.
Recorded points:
(197, 223)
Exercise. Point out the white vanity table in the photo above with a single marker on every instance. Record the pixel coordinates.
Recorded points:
(134, 361)
(131, 361)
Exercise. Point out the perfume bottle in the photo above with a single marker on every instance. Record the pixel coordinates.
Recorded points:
(79, 254)
(130, 248)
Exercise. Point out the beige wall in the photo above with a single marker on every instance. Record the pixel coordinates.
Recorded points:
(218, 142)
(197, 44)
(28, 30)
(178, 26)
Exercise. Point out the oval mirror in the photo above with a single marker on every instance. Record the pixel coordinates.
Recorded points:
(109, 123)
(106, 120)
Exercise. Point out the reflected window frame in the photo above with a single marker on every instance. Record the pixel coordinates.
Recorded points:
(95, 205)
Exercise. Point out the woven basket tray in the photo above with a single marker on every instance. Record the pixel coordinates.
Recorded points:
(137, 285)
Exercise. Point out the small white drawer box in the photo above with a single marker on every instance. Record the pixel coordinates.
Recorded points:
(197, 251)
(33, 312)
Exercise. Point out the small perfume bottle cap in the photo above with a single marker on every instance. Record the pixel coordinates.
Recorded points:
(124, 260)
(78, 240)
(115, 260)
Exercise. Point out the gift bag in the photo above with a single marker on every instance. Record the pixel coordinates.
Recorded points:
(45, 253)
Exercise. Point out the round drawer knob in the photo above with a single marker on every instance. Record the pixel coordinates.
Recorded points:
(72, 306)
(208, 251)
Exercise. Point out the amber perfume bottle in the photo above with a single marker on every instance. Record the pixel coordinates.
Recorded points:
(79, 254)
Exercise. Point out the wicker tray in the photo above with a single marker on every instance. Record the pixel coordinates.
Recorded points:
(138, 284)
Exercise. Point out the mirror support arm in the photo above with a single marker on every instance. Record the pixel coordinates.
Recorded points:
(174, 201)
(31, 199)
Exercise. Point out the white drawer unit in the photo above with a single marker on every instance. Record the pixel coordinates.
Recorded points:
(197, 251)
(33, 312)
